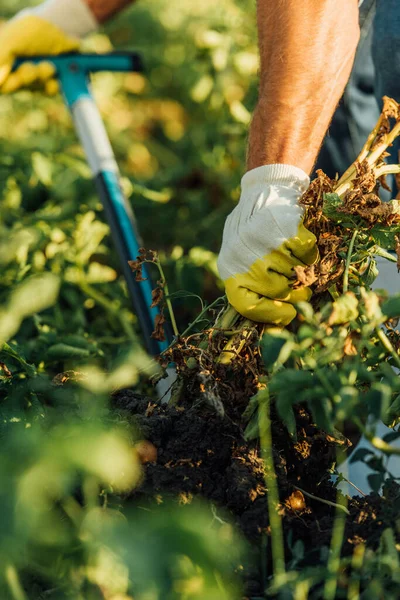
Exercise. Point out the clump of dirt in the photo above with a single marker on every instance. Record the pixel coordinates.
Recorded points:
(202, 454)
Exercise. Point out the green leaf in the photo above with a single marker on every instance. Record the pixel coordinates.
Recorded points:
(65, 352)
(32, 296)
(360, 454)
(331, 205)
(276, 347)
(75, 164)
(43, 168)
(250, 408)
(321, 409)
(344, 309)
(375, 481)
(392, 415)
(391, 437)
(370, 274)
(284, 406)
(252, 430)
(291, 380)
(378, 251)
(378, 400)
(98, 273)
(391, 307)
(385, 237)
(185, 294)
(305, 310)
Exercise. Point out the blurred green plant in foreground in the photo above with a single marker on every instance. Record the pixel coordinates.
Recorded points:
(178, 131)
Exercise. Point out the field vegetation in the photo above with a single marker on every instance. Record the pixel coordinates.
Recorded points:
(231, 491)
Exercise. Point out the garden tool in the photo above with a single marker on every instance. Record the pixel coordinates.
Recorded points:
(72, 71)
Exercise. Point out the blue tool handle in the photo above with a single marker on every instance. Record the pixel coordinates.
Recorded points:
(87, 63)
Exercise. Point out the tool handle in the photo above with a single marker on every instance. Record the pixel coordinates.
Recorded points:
(87, 63)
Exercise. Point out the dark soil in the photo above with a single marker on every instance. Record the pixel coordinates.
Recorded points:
(202, 454)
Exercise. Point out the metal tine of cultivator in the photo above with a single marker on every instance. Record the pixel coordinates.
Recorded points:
(73, 71)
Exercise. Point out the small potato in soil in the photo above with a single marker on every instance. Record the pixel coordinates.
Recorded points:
(146, 452)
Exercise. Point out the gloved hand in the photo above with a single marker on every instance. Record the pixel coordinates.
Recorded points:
(264, 239)
(54, 27)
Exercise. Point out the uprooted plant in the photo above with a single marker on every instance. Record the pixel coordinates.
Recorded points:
(336, 356)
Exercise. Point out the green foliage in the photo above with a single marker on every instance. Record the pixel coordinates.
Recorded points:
(179, 133)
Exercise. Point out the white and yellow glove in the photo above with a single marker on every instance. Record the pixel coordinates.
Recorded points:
(54, 27)
(264, 239)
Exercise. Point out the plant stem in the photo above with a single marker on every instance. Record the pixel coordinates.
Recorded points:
(334, 556)
(386, 170)
(333, 565)
(349, 174)
(236, 344)
(356, 566)
(14, 583)
(110, 308)
(375, 441)
(328, 502)
(166, 296)
(348, 261)
(191, 325)
(387, 140)
(327, 386)
(387, 345)
(278, 551)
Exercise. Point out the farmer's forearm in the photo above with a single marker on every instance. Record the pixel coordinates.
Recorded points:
(105, 9)
(307, 51)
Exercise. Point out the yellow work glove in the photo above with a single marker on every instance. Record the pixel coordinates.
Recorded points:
(264, 239)
(54, 27)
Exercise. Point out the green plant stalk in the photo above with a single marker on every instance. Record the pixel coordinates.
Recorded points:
(328, 502)
(166, 296)
(377, 442)
(348, 261)
(334, 556)
(14, 583)
(387, 345)
(87, 289)
(193, 323)
(278, 550)
(327, 386)
(302, 590)
(235, 346)
(350, 172)
(356, 566)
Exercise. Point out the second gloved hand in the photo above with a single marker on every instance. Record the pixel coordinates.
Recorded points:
(54, 27)
(264, 239)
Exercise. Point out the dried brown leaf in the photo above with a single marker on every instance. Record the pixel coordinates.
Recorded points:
(5, 369)
(349, 348)
(384, 183)
(397, 250)
(137, 268)
(158, 333)
(157, 296)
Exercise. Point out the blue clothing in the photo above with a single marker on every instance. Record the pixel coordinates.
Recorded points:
(386, 48)
(376, 73)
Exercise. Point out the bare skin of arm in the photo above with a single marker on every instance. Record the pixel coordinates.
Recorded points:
(105, 9)
(307, 51)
